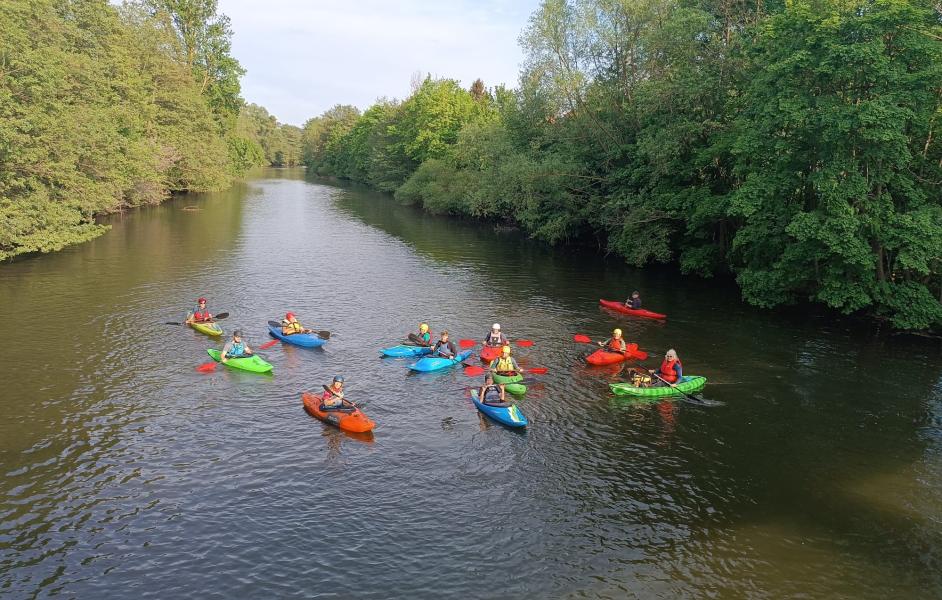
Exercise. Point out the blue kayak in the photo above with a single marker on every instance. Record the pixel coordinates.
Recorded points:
(405, 350)
(434, 363)
(505, 413)
(306, 340)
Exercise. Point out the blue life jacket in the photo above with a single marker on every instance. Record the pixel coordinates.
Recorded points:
(236, 350)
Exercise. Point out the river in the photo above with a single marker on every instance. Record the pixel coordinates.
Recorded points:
(127, 472)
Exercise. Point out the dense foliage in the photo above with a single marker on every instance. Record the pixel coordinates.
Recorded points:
(105, 107)
(794, 146)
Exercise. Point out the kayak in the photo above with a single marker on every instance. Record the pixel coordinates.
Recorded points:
(489, 353)
(211, 328)
(434, 363)
(405, 350)
(511, 383)
(634, 312)
(349, 418)
(687, 383)
(604, 357)
(305, 340)
(252, 363)
(505, 413)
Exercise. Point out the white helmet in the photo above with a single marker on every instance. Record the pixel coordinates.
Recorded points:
(496, 326)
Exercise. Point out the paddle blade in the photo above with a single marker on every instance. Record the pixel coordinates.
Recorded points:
(323, 334)
(631, 348)
(172, 323)
(465, 344)
(582, 339)
(268, 345)
(220, 316)
(524, 343)
(641, 355)
(207, 367)
(538, 370)
(473, 371)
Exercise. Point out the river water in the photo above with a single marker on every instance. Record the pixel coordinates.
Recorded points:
(127, 472)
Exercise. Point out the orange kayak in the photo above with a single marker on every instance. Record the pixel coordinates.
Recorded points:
(349, 418)
(489, 353)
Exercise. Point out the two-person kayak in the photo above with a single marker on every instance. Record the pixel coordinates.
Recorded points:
(349, 418)
(687, 384)
(435, 363)
(634, 312)
(505, 413)
(305, 340)
(253, 363)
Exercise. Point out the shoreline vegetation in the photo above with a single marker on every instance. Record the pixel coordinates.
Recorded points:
(793, 146)
(104, 108)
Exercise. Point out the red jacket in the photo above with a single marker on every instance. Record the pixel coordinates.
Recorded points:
(670, 370)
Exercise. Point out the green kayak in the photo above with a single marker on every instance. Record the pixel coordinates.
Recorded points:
(252, 363)
(687, 384)
(510, 383)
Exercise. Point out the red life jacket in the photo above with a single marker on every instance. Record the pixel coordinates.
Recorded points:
(668, 373)
(201, 316)
(615, 345)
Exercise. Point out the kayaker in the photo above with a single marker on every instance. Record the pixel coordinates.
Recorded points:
(671, 369)
(634, 301)
(616, 343)
(236, 348)
(492, 393)
(291, 325)
(333, 395)
(444, 348)
(495, 337)
(505, 364)
(424, 338)
(200, 314)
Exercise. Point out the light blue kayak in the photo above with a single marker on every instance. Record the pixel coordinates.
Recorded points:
(434, 363)
(506, 413)
(305, 340)
(405, 351)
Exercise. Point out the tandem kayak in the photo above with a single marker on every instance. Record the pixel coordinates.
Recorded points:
(211, 328)
(687, 384)
(252, 363)
(635, 312)
(305, 340)
(405, 350)
(604, 357)
(349, 418)
(505, 413)
(511, 383)
(489, 353)
(434, 363)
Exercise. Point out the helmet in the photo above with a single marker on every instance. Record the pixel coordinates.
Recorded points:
(338, 378)
(505, 349)
(496, 326)
(289, 315)
(237, 333)
(423, 327)
(617, 333)
(201, 301)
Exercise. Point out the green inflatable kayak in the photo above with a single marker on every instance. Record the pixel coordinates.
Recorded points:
(510, 383)
(252, 363)
(687, 384)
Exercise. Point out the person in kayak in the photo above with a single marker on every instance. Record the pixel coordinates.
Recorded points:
(492, 393)
(616, 343)
(444, 348)
(291, 325)
(333, 395)
(635, 301)
(200, 314)
(424, 338)
(505, 364)
(671, 369)
(236, 348)
(495, 337)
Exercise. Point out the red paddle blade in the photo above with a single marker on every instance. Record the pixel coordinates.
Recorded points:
(467, 343)
(582, 339)
(524, 343)
(631, 348)
(207, 367)
(268, 344)
(538, 370)
(472, 371)
(641, 355)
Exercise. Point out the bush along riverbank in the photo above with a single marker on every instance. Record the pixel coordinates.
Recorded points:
(793, 146)
(104, 108)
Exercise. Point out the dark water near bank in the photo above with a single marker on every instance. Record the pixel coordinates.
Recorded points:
(125, 472)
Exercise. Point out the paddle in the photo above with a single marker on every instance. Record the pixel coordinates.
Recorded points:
(631, 350)
(465, 344)
(471, 343)
(342, 398)
(325, 335)
(475, 370)
(218, 317)
(690, 398)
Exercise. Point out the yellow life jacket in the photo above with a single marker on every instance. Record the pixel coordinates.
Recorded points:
(292, 327)
(502, 365)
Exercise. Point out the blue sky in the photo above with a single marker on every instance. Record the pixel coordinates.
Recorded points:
(304, 56)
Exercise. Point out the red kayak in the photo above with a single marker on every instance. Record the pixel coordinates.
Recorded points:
(604, 357)
(635, 312)
(349, 420)
(489, 353)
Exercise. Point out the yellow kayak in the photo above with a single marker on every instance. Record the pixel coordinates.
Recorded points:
(210, 328)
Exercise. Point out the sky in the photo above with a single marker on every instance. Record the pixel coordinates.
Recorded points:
(304, 56)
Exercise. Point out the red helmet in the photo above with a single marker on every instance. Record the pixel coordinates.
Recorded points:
(289, 315)
(201, 301)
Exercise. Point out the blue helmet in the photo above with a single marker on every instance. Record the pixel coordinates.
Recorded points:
(338, 379)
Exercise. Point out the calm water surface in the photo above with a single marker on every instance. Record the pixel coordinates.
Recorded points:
(125, 472)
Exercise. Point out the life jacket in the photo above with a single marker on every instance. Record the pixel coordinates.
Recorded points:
(236, 350)
(329, 399)
(201, 315)
(491, 340)
(426, 337)
(449, 349)
(616, 345)
(668, 373)
(292, 326)
(491, 394)
(504, 365)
